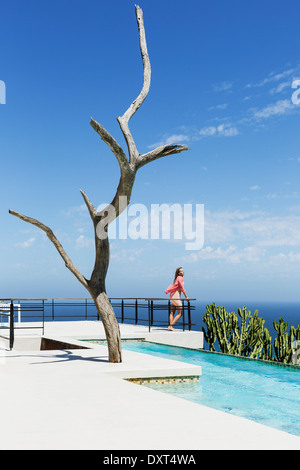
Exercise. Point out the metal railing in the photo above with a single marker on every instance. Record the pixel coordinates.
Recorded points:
(30, 309)
(135, 309)
(7, 310)
(32, 313)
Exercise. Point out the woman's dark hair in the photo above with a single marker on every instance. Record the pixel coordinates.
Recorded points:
(176, 273)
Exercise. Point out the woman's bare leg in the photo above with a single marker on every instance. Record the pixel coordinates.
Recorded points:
(171, 318)
(178, 316)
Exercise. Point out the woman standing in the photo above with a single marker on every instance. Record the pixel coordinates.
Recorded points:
(175, 292)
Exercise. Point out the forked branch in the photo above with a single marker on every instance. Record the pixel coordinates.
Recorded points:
(159, 152)
(93, 212)
(124, 120)
(111, 142)
(136, 160)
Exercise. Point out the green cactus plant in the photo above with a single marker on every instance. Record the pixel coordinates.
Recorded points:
(267, 350)
(244, 338)
(284, 344)
(244, 334)
(210, 333)
(219, 326)
(297, 345)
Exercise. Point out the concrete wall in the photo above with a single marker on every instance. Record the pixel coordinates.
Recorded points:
(186, 339)
(27, 343)
(38, 343)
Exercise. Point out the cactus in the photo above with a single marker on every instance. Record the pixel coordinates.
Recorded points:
(244, 334)
(246, 339)
(284, 343)
(210, 334)
(219, 326)
(296, 356)
(224, 323)
(259, 337)
(267, 350)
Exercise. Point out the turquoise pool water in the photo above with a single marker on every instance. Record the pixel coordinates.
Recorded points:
(265, 393)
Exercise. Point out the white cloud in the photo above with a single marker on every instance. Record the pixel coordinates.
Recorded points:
(218, 106)
(26, 243)
(83, 242)
(223, 130)
(125, 255)
(280, 108)
(208, 131)
(279, 88)
(273, 77)
(258, 228)
(170, 139)
(75, 210)
(223, 86)
(254, 188)
(236, 236)
(227, 130)
(231, 255)
(272, 230)
(282, 258)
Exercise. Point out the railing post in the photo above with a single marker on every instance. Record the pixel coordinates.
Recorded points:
(86, 309)
(183, 320)
(122, 310)
(136, 311)
(43, 317)
(151, 304)
(19, 312)
(149, 316)
(52, 309)
(11, 326)
(189, 315)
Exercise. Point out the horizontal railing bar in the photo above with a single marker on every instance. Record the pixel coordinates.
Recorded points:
(17, 299)
(112, 298)
(27, 327)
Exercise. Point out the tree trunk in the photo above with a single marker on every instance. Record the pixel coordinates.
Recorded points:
(110, 324)
(96, 287)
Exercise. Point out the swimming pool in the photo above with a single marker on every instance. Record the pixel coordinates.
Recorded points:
(266, 393)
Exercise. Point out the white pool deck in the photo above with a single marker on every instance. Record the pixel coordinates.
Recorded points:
(74, 399)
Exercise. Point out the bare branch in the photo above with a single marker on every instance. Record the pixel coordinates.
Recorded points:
(159, 152)
(111, 142)
(69, 264)
(93, 212)
(123, 120)
(146, 65)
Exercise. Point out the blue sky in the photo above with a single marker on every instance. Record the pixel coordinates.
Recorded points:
(222, 76)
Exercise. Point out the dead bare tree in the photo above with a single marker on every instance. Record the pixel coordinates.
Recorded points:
(128, 168)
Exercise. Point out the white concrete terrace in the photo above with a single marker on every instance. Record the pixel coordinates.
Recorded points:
(74, 399)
